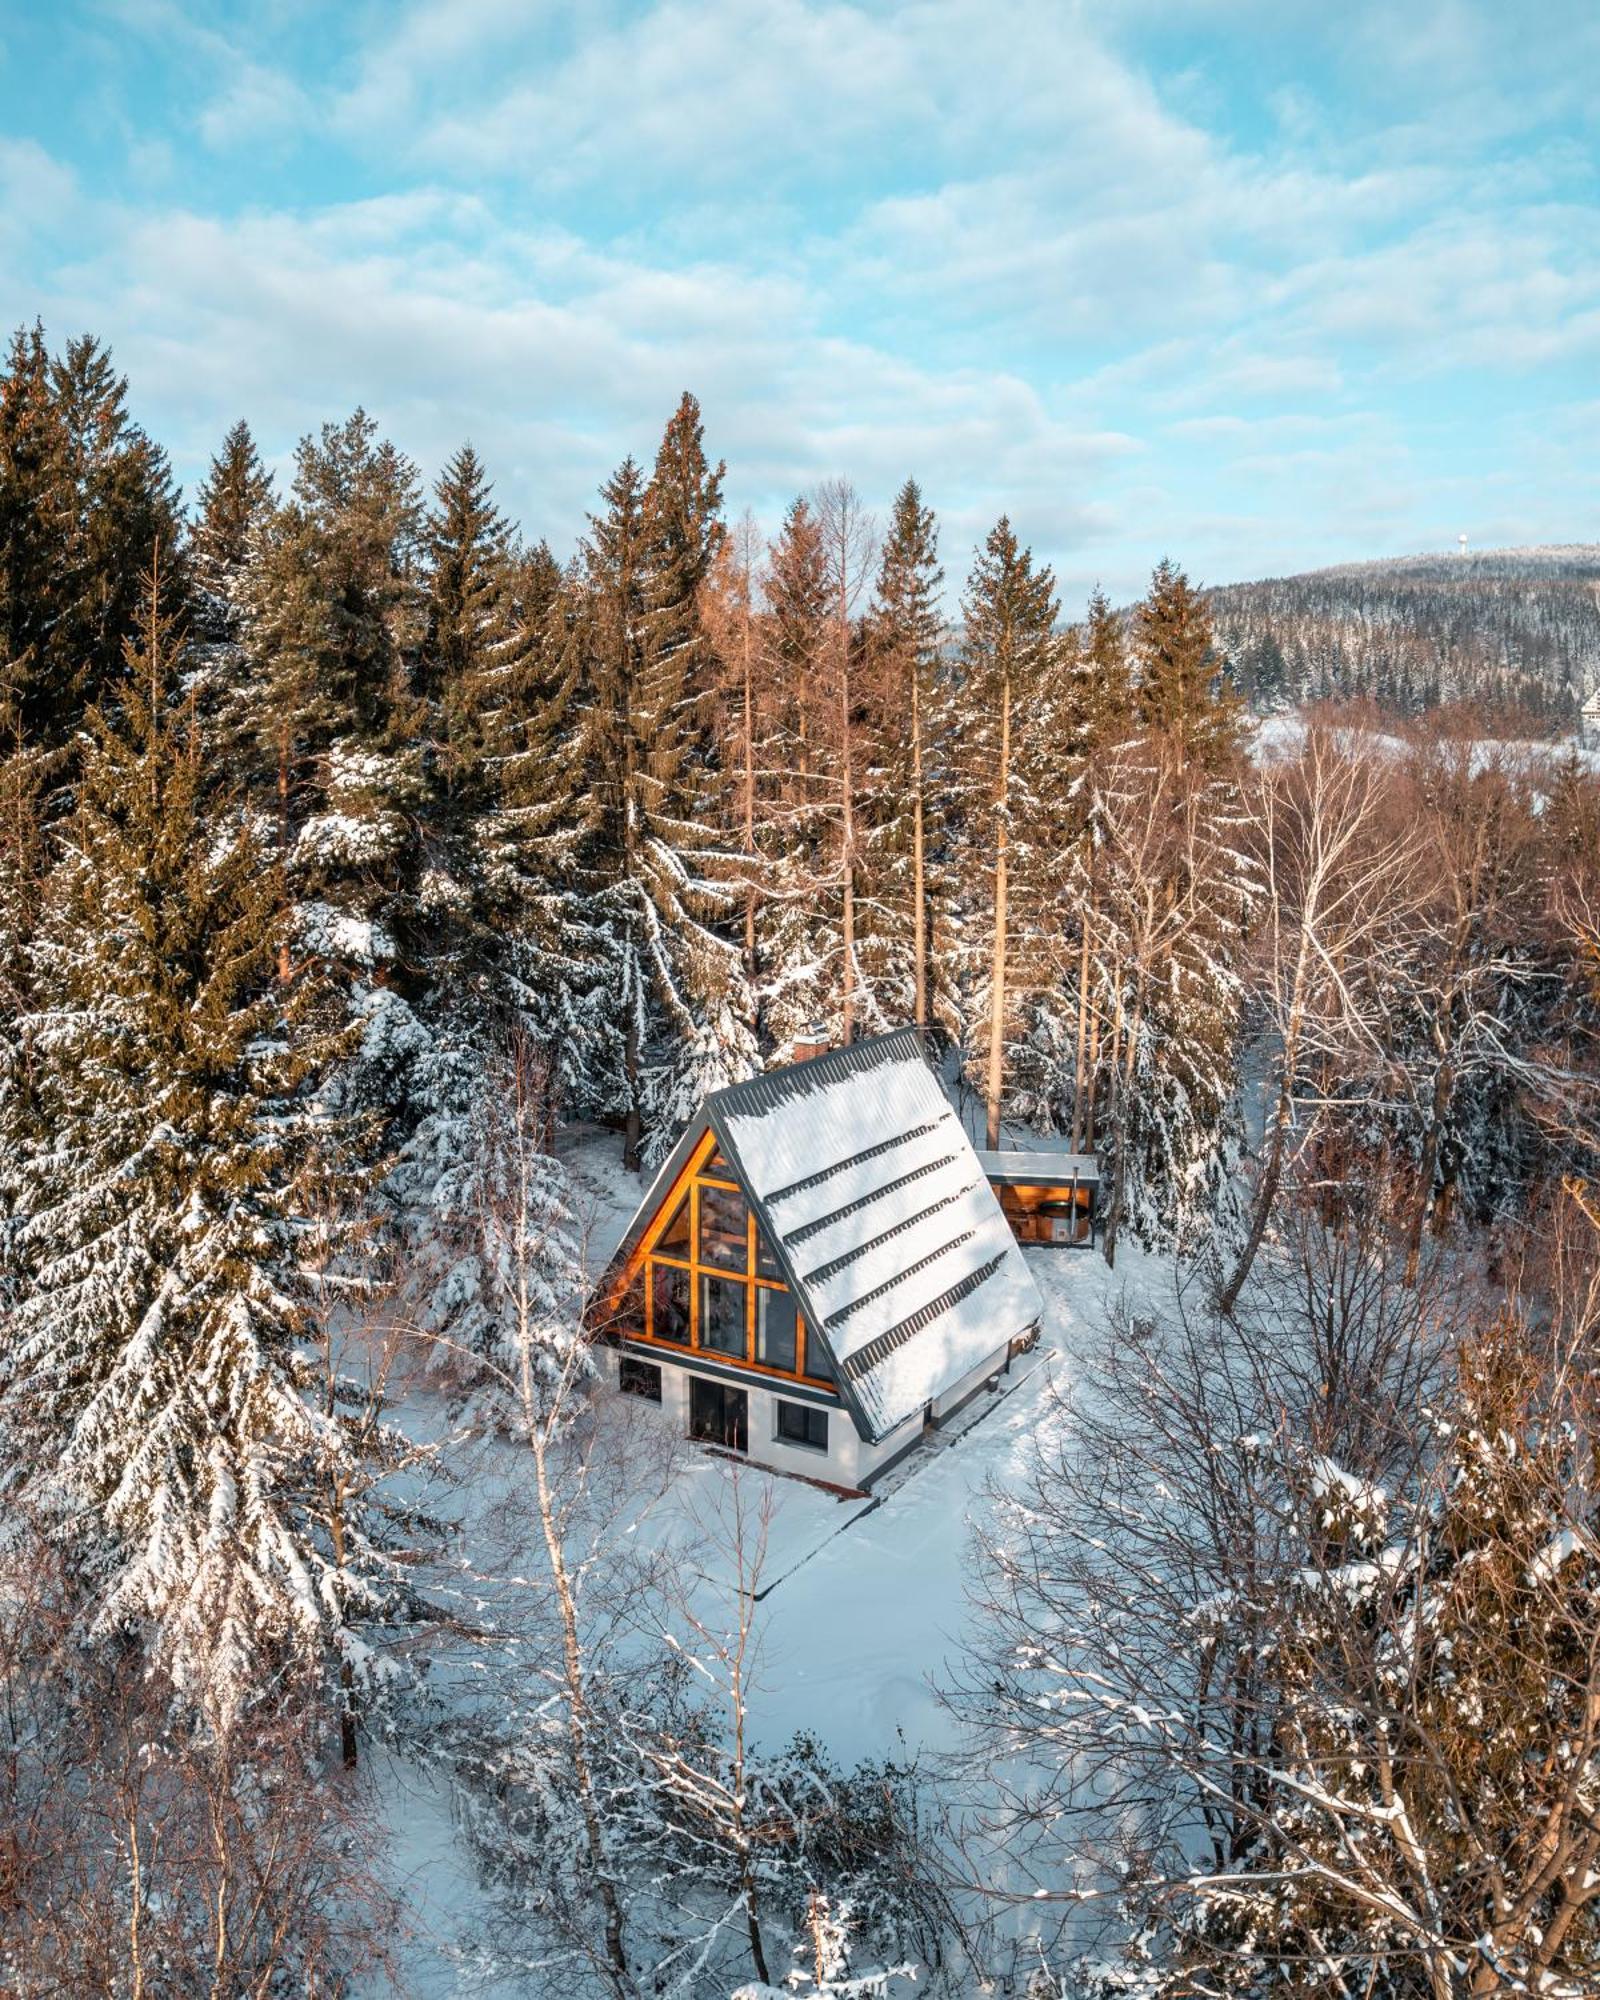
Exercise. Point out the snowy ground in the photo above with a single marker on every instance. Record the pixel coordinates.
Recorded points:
(1282, 735)
(863, 1603)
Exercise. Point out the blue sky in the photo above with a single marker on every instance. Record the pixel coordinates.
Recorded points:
(1260, 286)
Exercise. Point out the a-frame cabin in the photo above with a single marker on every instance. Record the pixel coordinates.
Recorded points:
(821, 1271)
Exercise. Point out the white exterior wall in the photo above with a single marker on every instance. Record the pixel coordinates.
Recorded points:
(958, 1392)
(849, 1460)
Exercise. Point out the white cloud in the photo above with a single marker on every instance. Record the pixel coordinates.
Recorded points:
(999, 245)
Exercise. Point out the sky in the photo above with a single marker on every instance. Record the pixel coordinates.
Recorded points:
(1254, 284)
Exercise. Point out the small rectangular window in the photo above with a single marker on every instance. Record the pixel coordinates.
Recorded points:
(799, 1423)
(639, 1378)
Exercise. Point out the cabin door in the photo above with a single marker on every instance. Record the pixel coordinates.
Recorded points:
(719, 1414)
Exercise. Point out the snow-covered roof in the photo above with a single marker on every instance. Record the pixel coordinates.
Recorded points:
(1042, 1167)
(1591, 708)
(868, 1188)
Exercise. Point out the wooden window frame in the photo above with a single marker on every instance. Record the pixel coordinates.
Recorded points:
(646, 1255)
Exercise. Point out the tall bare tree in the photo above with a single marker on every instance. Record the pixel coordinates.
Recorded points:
(848, 544)
(1339, 875)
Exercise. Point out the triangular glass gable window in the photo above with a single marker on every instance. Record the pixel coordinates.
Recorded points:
(674, 1238)
(767, 1266)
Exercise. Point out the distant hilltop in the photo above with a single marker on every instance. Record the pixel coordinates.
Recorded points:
(1496, 626)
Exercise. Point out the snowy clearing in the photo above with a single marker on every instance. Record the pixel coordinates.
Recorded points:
(863, 1602)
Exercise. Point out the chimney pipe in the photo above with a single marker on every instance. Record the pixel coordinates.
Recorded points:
(812, 1040)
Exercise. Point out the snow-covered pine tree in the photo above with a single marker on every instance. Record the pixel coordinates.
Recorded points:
(508, 813)
(1181, 688)
(1172, 894)
(233, 506)
(730, 608)
(659, 882)
(684, 532)
(500, 1263)
(1104, 671)
(799, 941)
(472, 662)
(30, 553)
(1094, 716)
(229, 507)
(906, 839)
(1010, 653)
(170, 1149)
(86, 501)
(333, 626)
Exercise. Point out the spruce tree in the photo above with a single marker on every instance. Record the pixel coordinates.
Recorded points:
(1181, 691)
(1009, 650)
(800, 945)
(657, 881)
(469, 664)
(683, 531)
(910, 695)
(30, 558)
(1108, 704)
(114, 493)
(30, 530)
(86, 503)
(171, 1157)
(230, 506)
(333, 628)
(233, 507)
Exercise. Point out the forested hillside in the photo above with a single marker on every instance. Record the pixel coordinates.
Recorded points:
(355, 852)
(1501, 628)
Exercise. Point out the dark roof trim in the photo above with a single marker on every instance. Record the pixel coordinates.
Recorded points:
(858, 1250)
(845, 1312)
(1041, 1169)
(810, 1229)
(840, 1166)
(865, 1359)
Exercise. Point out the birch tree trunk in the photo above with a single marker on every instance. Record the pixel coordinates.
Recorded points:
(1278, 1132)
(1079, 1066)
(749, 801)
(997, 974)
(618, 1976)
(919, 903)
